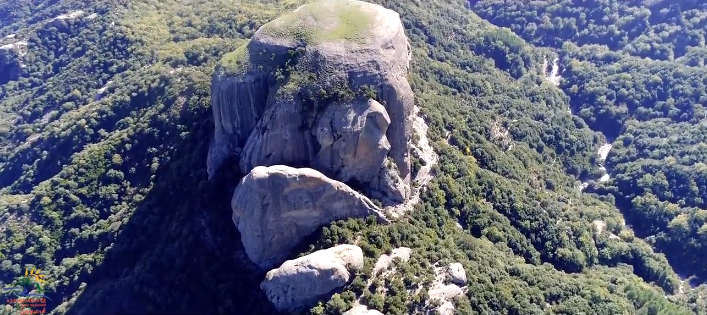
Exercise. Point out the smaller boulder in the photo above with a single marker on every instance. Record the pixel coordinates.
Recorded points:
(383, 263)
(304, 281)
(457, 274)
(445, 293)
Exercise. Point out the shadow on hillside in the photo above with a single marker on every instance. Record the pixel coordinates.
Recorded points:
(179, 253)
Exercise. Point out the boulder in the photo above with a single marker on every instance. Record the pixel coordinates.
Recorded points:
(384, 261)
(276, 207)
(457, 275)
(445, 293)
(305, 280)
(322, 87)
(362, 310)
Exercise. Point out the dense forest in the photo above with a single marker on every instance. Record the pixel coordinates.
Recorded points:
(105, 123)
(635, 71)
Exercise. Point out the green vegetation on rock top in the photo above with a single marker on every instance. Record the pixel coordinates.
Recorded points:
(237, 61)
(324, 21)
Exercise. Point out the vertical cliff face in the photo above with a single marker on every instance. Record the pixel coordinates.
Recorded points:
(238, 105)
(322, 87)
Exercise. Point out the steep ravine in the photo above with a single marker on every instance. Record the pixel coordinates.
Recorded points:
(554, 76)
(424, 151)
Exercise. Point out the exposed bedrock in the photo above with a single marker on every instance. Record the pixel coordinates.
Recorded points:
(303, 281)
(322, 87)
(276, 207)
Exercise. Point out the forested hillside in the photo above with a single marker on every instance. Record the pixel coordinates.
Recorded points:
(635, 71)
(656, 29)
(106, 124)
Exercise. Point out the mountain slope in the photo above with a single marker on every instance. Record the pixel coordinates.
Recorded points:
(658, 29)
(109, 194)
(652, 108)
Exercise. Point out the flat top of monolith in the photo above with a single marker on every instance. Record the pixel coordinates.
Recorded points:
(333, 20)
(340, 26)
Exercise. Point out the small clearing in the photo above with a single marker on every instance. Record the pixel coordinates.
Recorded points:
(554, 75)
(603, 153)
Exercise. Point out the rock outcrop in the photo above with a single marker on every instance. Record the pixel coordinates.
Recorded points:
(449, 283)
(62, 22)
(457, 274)
(322, 87)
(445, 295)
(384, 261)
(11, 65)
(276, 207)
(303, 281)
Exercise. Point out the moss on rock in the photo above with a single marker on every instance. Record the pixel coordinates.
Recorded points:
(324, 21)
(276, 44)
(237, 61)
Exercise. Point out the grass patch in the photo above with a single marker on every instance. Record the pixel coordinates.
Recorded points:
(237, 61)
(297, 80)
(323, 21)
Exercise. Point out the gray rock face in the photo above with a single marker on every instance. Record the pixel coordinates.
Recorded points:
(276, 207)
(302, 281)
(457, 274)
(347, 143)
(352, 140)
(322, 87)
